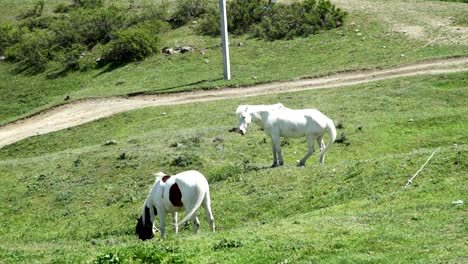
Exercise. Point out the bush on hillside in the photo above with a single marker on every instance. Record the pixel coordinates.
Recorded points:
(242, 16)
(89, 26)
(32, 23)
(299, 19)
(208, 25)
(35, 11)
(33, 49)
(87, 3)
(151, 12)
(82, 29)
(188, 10)
(268, 20)
(9, 35)
(69, 57)
(135, 43)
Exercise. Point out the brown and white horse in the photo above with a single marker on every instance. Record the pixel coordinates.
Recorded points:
(172, 194)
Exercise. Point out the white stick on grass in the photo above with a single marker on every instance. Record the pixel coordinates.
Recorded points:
(416, 174)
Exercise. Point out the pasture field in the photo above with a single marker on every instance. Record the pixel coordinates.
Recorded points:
(370, 39)
(68, 197)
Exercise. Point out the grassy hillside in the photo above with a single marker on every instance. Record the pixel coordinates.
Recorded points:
(366, 41)
(68, 197)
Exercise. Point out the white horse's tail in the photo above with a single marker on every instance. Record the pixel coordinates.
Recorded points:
(332, 133)
(193, 210)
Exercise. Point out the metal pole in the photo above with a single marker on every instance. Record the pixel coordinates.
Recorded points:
(225, 41)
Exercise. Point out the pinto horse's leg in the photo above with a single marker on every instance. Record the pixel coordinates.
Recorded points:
(162, 223)
(195, 224)
(311, 144)
(176, 226)
(209, 215)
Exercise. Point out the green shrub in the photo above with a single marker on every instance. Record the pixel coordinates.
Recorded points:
(135, 43)
(77, 4)
(69, 57)
(243, 14)
(151, 12)
(187, 10)
(62, 8)
(299, 19)
(36, 22)
(87, 3)
(96, 25)
(35, 11)
(209, 24)
(268, 20)
(33, 50)
(88, 26)
(9, 35)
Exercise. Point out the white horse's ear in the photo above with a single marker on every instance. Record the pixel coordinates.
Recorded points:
(240, 109)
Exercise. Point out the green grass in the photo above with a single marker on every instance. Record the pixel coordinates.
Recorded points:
(255, 61)
(67, 197)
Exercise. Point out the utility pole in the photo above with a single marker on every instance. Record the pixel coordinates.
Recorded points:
(225, 41)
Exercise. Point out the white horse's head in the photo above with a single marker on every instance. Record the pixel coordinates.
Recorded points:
(245, 118)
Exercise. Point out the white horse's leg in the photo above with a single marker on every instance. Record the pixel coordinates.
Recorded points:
(176, 227)
(209, 215)
(320, 142)
(280, 154)
(273, 148)
(322, 147)
(276, 146)
(311, 144)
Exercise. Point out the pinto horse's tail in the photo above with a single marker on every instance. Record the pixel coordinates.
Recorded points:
(196, 205)
(332, 133)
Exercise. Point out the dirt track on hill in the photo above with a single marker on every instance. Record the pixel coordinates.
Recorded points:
(80, 112)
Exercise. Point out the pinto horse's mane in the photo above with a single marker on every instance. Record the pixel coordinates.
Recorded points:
(160, 176)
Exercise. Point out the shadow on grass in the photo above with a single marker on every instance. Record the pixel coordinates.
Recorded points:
(110, 66)
(175, 87)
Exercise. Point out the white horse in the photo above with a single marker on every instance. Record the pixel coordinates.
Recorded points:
(171, 194)
(252, 110)
(310, 123)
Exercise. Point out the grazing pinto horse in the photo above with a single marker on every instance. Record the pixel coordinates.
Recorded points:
(171, 194)
(310, 123)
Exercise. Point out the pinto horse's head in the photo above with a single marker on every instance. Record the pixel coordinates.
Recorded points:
(144, 229)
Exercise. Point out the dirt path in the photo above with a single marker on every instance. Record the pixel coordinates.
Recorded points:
(84, 111)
